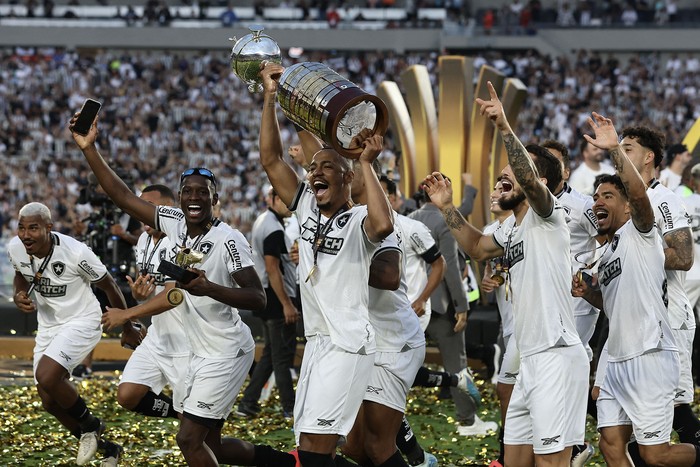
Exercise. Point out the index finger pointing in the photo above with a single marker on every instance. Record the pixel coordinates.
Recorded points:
(492, 90)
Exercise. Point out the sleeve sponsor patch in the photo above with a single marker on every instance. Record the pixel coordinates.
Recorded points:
(85, 267)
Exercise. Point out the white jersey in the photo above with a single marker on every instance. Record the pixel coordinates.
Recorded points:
(633, 283)
(583, 177)
(335, 298)
(669, 178)
(670, 214)
(213, 329)
(537, 253)
(419, 248)
(396, 325)
(692, 203)
(583, 226)
(505, 307)
(166, 335)
(63, 293)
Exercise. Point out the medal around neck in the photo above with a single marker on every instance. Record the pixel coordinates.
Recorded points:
(175, 296)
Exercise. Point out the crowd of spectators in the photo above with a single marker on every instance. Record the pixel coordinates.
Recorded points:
(167, 111)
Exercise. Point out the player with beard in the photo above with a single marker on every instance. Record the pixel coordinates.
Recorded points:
(547, 411)
(53, 274)
(337, 243)
(642, 373)
(222, 347)
(494, 281)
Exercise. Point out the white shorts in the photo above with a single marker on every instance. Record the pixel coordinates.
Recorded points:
(686, 387)
(149, 368)
(548, 407)
(639, 392)
(331, 385)
(212, 385)
(67, 344)
(602, 366)
(692, 288)
(510, 366)
(585, 326)
(392, 376)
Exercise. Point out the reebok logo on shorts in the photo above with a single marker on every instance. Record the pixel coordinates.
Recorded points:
(322, 422)
(553, 440)
(680, 393)
(510, 375)
(64, 355)
(651, 434)
(373, 390)
(203, 405)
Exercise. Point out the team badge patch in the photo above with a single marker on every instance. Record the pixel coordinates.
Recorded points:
(206, 247)
(58, 268)
(342, 220)
(615, 241)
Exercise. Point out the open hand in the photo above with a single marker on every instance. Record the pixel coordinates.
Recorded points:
(439, 189)
(605, 134)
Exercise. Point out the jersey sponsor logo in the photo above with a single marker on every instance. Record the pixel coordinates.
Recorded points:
(331, 245)
(309, 227)
(418, 242)
(610, 271)
(170, 212)
(591, 217)
(159, 277)
(325, 422)
(552, 440)
(204, 405)
(206, 247)
(342, 220)
(516, 253)
(47, 290)
(651, 434)
(88, 269)
(58, 268)
(235, 254)
(567, 210)
(666, 214)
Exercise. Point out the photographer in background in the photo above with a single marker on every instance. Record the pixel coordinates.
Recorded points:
(112, 236)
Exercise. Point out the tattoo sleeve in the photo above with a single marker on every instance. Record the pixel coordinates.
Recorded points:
(679, 253)
(617, 159)
(520, 162)
(454, 219)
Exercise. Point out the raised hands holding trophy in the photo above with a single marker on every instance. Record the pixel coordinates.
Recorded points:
(314, 97)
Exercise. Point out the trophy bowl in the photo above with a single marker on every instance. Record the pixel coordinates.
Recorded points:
(249, 52)
(334, 109)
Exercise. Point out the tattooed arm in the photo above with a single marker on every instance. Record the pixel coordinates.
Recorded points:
(535, 190)
(642, 213)
(477, 245)
(679, 249)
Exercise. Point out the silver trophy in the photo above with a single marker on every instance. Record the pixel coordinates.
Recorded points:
(249, 52)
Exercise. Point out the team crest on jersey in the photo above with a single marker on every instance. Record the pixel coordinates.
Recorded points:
(342, 220)
(58, 268)
(614, 243)
(206, 247)
(161, 254)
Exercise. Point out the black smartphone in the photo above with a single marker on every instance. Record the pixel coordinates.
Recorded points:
(181, 275)
(87, 115)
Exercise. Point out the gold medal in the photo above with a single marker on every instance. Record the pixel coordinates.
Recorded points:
(175, 296)
(498, 278)
(311, 273)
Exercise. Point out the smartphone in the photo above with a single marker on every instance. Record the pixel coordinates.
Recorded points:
(88, 113)
(183, 276)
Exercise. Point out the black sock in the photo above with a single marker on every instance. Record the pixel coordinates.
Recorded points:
(79, 411)
(502, 446)
(407, 443)
(686, 424)
(633, 449)
(265, 456)
(314, 459)
(592, 407)
(433, 379)
(156, 405)
(396, 460)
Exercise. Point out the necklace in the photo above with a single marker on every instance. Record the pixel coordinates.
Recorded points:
(320, 235)
(37, 275)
